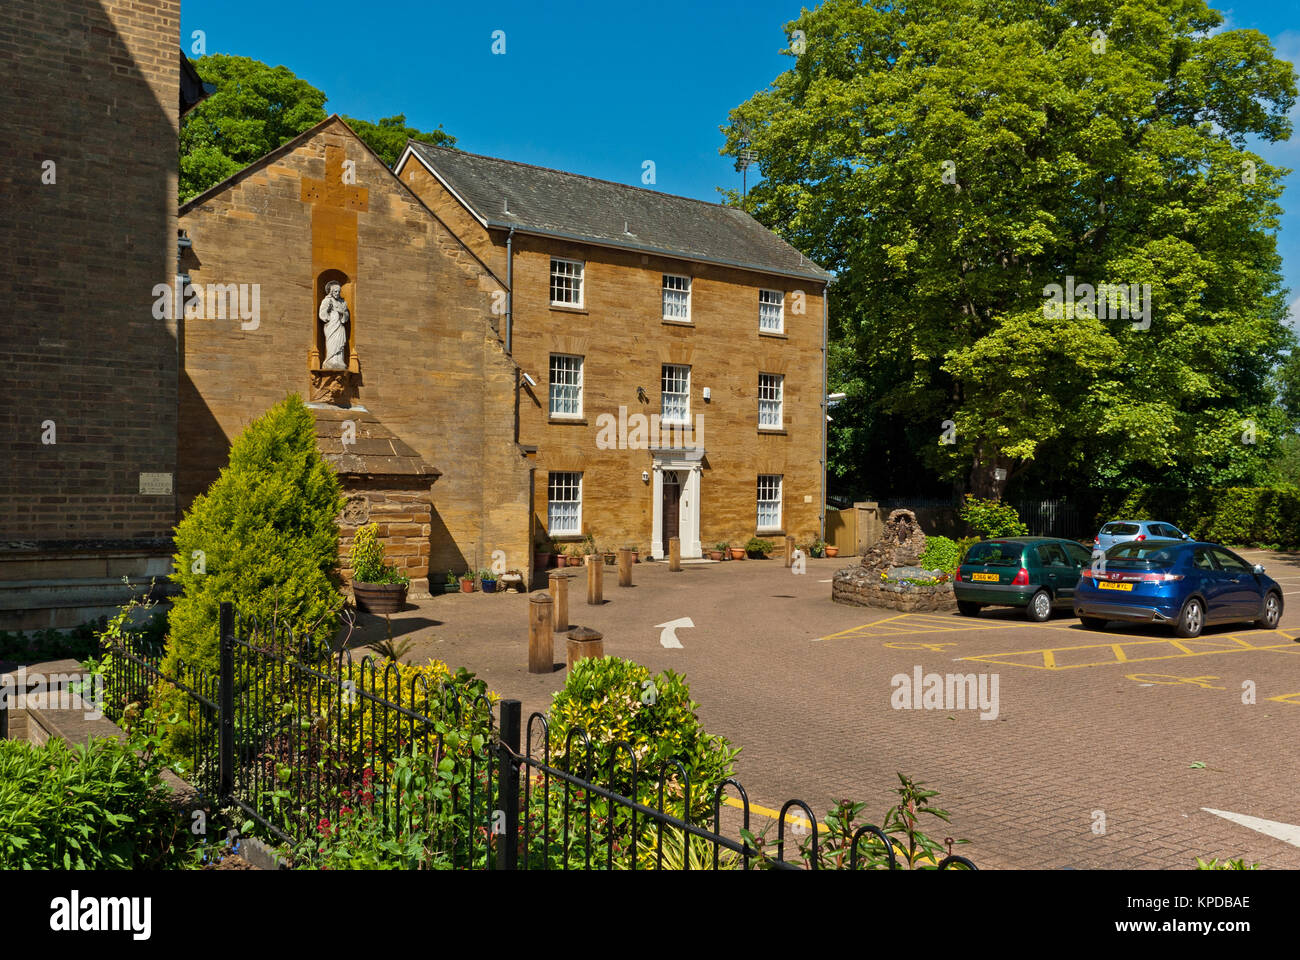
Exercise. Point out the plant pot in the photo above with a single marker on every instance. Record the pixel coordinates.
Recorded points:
(611, 559)
(489, 586)
(466, 586)
(737, 553)
(756, 554)
(541, 560)
(380, 598)
(832, 551)
(715, 554)
(636, 557)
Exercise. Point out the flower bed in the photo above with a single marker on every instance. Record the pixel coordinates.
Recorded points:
(893, 589)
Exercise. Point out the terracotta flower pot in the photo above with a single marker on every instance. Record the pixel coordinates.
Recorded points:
(737, 553)
(715, 554)
(380, 598)
(541, 560)
(466, 585)
(832, 551)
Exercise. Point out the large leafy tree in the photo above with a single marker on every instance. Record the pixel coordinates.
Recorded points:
(256, 108)
(951, 159)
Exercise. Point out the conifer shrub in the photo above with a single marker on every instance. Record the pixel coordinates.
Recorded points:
(264, 536)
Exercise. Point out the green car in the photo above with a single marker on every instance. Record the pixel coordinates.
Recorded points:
(1037, 573)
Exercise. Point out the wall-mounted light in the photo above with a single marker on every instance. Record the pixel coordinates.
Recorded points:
(529, 380)
(645, 476)
(706, 395)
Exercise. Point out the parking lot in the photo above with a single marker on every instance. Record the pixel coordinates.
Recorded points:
(1105, 748)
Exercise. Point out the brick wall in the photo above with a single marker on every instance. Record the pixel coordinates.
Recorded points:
(93, 87)
(403, 521)
(432, 366)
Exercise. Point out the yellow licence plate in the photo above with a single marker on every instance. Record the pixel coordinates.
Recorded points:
(1108, 585)
(992, 577)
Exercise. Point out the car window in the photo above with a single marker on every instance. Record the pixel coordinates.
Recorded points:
(1202, 560)
(1120, 529)
(1165, 530)
(1229, 562)
(1051, 555)
(1078, 554)
(995, 553)
(1145, 550)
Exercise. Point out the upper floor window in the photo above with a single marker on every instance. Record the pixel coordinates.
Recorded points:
(676, 394)
(769, 501)
(566, 282)
(771, 387)
(677, 298)
(566, 385)
(771, 311)
(564, 504)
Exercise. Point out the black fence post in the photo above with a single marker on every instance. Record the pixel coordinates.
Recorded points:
(226, 705)
(4, 714)
(508, 787)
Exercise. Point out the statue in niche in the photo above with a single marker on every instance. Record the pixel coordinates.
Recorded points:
(333, 314)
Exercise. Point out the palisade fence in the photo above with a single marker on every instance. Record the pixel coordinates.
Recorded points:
(1045, 518)
(296, 737)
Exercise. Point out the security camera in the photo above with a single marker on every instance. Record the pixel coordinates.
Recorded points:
(529, 380)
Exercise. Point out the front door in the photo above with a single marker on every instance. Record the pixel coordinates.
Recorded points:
(671, 511)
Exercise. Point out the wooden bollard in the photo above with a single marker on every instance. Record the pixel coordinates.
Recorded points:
(541, 649)
(624, 567)
(584, 642)
(559, 583)
(789, 551)
(595, 580)
(675, 554)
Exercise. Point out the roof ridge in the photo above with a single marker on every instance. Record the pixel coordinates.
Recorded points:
(422, 146)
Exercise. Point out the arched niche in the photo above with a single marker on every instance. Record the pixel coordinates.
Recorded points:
(348, 289)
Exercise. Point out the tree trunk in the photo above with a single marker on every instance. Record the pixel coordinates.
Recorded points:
(989, 475)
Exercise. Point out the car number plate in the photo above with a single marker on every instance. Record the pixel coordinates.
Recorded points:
(1108, 585)
(993, 577)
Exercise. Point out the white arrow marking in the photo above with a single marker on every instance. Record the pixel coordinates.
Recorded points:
(1286, 832)
(668, 635)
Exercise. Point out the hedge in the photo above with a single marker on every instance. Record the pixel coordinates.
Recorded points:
(1245, 516)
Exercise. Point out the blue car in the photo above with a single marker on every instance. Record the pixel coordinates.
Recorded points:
(1184, 583)
(1118, 531)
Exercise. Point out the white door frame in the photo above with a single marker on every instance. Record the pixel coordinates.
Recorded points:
(687, 463)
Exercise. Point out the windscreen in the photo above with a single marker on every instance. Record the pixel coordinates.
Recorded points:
(994, 553)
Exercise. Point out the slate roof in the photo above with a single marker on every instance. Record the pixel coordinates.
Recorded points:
(554, 203)
(376, 452)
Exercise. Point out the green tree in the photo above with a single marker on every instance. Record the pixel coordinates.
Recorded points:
(264, 536)
(255, 109)
(388, 137)
(952, 159)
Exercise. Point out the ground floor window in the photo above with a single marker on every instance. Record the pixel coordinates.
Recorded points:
(564, 508)
(769, 501)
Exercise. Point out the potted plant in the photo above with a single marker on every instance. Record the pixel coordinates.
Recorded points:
(832, 550)
(611, 556)
(542, 555)
(737, 553)
(377, 587)
(757, 548)
(452, 585)
(488, 581)
(718, 552)
(467, 582)
(817, 548)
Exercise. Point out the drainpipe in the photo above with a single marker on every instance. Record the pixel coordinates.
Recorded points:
(821, 509)
(510, 293)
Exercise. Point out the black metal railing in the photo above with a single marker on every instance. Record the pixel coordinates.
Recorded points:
(289, 732)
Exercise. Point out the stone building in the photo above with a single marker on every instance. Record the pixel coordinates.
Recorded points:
(91, 92)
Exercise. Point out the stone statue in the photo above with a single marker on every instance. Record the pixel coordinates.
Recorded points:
(901, 543)
(334, 314)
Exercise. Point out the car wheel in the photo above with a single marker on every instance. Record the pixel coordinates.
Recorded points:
(1092, 623)
(1191, 620)
(1040, 607)
(1272, 612)
(968, 608)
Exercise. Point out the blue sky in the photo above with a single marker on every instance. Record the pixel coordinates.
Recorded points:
(595, 88)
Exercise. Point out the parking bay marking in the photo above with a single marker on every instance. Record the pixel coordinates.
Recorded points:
(1129, 651)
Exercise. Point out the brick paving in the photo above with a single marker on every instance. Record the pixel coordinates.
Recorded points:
(789, 676)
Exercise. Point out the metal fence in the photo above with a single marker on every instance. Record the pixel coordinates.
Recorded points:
(1045, 518)
(289, 733)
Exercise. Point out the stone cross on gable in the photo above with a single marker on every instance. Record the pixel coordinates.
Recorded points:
(335, 190)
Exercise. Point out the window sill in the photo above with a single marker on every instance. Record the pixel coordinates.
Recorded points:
(775, 532)
(677, 323)
(774, 431)
(774, 335)
(580, 421)
(562, 308)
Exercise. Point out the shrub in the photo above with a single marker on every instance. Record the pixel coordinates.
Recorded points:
(263, 536)
(993, 518)
(90, 807)
(1246, 516)
(367, 559)
(757, 547)
(614, 699)
(940, 554)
